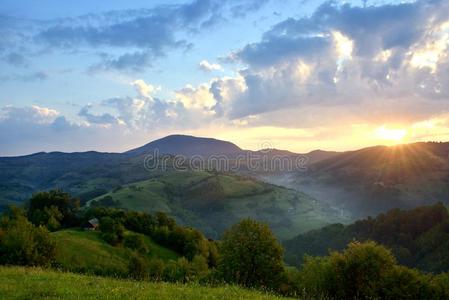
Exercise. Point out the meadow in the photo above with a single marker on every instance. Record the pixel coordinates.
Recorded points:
(35, 283)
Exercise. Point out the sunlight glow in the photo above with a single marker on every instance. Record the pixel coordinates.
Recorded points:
(391, 134)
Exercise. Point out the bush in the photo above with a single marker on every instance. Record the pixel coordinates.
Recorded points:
(366, 271)
(404, 283)
(135, 242)
(156, 269)
(138, 267)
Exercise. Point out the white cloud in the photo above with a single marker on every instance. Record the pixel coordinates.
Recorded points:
(32, 114)
(144, 89)
(209, 67)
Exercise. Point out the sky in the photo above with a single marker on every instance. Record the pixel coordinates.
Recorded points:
(295, 75)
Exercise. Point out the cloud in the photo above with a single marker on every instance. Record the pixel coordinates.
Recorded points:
(206, 66)
(144, 89)
(374, 62)
(102, 119)
(33, 114)
(151, 32)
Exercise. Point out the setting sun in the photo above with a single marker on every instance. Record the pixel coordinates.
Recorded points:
(390, 134)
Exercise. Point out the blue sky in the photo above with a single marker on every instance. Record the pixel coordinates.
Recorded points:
(111, 75)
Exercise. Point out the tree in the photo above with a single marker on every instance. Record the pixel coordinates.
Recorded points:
(251, 256)
(112, 231)
(53, 208)
(355, 273)
(21, 243)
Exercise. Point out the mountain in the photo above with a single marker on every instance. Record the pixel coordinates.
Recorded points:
(418, 237)
(319, 155)
(187, 146)
(375, 179)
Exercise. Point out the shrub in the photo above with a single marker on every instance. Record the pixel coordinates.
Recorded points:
(138, 267)
(366, 271)
(136, 242)
(156, 269)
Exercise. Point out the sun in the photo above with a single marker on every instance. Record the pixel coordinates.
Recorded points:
(391, 134)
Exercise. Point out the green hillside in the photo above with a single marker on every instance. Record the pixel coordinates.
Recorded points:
(86, 251)
(31, 283)
(213, 202)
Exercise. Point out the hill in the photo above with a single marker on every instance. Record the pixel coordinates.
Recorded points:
(372, 180)
(33, 283)
(85, 251)
(213, 201)
(188, 146)
(418, 238)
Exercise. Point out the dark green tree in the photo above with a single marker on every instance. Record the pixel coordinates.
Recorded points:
(53, 209)
(251, 256)
(21, 243)
(112, 230)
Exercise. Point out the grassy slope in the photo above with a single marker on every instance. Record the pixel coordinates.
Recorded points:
(214, 202)
(85, 250)
(31, 283)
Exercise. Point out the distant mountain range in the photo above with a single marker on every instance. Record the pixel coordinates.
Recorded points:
(359, 183)
(189, 146)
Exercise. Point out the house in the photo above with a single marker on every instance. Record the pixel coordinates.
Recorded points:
(92, 224)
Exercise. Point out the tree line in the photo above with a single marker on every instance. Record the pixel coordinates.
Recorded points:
(418, 238)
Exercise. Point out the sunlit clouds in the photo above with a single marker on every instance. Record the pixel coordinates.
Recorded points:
(330, 75)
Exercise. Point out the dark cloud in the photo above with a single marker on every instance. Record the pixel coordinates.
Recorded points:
(103, 119)
(281, 48)
(153, 32)
(136, 62)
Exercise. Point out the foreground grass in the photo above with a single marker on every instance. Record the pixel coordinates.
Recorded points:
(34, 283)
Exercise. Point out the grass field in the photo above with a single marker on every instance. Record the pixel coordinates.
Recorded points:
(213, 202)
(85, 251)
(33, 283)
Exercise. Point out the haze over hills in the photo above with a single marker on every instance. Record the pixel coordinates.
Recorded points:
(375, 179)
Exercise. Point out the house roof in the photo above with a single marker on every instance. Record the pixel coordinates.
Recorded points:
(93, 222)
